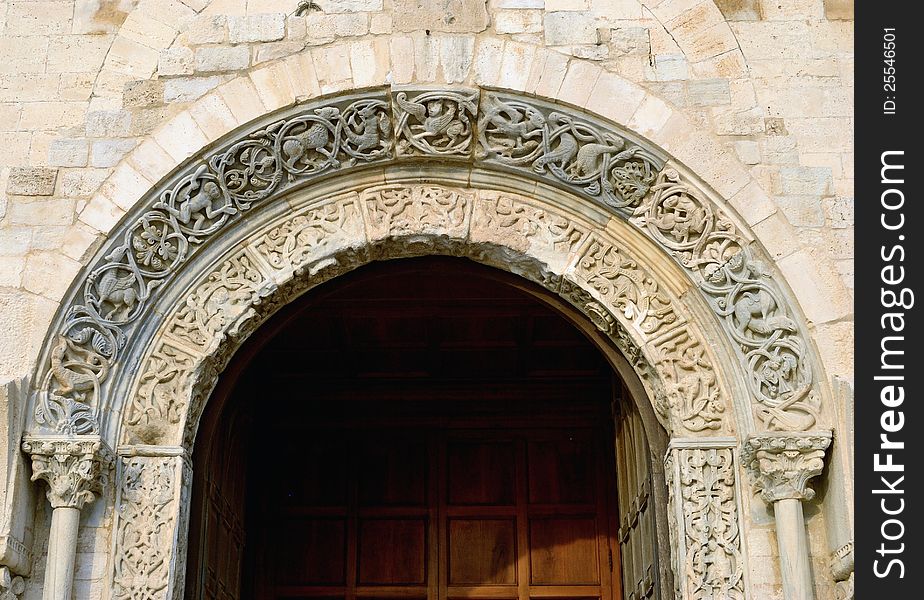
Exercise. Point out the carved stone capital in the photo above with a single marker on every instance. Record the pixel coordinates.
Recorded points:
(74, 467)
(780, 465)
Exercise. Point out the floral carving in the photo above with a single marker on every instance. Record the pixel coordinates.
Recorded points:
(690, 396)
(146, 527)
(519, 225)
(781, 465)
(229, 291)
(626, 287)
(408, 210)
(436, 122)
(73, 467)
(156, 404)
(309, 235)
(711, 564)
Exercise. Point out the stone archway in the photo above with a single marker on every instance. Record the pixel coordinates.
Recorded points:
(594, 213)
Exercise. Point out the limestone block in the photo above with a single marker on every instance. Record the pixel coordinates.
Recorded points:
(187, 89)
(241, 97)
(31, 181)
(99, 16)
(516, 65)
(540, 4)
(518, 21)
(456, 55)
(15, 241)
(426, 56)
(49, 274)
(331, 65)
(488, 55)
(42, 212)
(24, 317)
(323, 28)
(564, 28)
(773, 40)
(78, 86)
(748, 151)
(839, 212)
(779, 150)
(839, 9)
(817, 286)
(206, 29)
(23, 54)
(107, 153)
(739, 10)
(11, 268)
(401, 51)
(302, 76)
(806, 180)
(222, 59)
(131, 58)
(273, 87)
(552, 74)
(213, 117)
(776, 235)
(352, 6)
(78, 240)
(68, 153)
(125, 186)
(143, 93)
(171, 12)
(152, 161)
(462, 16)
(176, 61)
(39, 18)
(147, 31)
(802, 211)
(101, 214)
(82, 183)
(256, 28)
(650, 116)
(709, 92)
(753, 203)
(108, 123)
(669, 67)
(380, 23)
(180, 137)
(562, 5)
(614, 98)
(791, 10)
(369, 62)
(273, 50)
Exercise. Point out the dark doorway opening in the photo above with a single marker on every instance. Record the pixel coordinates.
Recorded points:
(422, 429)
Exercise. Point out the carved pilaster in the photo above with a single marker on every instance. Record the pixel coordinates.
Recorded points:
(780, 465)
(842, 572)
(705, 515)
(75, 468)
(151, 521)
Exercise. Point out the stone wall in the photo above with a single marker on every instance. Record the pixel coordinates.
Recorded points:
(84, 83)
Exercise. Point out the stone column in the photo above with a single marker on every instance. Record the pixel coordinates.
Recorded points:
(705, 519)
(780, 465)
(74, 468)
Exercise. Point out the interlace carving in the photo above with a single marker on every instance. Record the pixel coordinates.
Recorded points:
(689, 396)
(73, 467)
(157, 404)
(567, 149)
(520, 225)
(436, 122)
(713, 566)
(781, 465)
(626, 287)
(146, 528)
(577, 152)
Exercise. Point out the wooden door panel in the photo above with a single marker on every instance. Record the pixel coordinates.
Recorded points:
(393, 473)
(482, 551)
(392, 551)
(311, 552)
(563, 551)
(481, 473)
(561, 471)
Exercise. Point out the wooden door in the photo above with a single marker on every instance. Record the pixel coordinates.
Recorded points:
(438, 512)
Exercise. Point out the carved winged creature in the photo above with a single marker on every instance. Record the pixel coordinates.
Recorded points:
(118, 291)
(299, 147)
(436, 118)
(588, 157)
(70, 381)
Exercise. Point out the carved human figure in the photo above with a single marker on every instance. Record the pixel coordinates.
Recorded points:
(200, 207)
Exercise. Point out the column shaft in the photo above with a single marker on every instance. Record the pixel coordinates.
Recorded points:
(794, 553)
(62, 550)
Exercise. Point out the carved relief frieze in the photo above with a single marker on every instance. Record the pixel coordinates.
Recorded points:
(625, 287)
(491, 130)
(435, 122)
(706, 521)
(158, 404)
(312, 234)
(586, 156)
(146, 529)
(397, 211)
